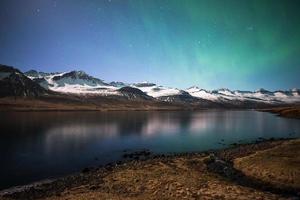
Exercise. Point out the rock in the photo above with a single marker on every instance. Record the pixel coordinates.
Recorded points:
(85, 170)
(234, 144)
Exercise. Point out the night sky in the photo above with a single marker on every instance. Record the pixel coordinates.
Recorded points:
(240, 44)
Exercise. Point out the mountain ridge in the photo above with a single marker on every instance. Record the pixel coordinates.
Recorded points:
(167, 93)
(80, 84)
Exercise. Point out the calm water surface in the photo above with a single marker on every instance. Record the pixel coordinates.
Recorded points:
(41, 145)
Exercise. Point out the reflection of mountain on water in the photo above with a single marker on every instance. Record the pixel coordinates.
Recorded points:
(43, 144)
(112, 124)
(107, 125)
(79, 130)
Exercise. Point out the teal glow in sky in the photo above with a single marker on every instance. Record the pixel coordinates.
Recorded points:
(238, 44)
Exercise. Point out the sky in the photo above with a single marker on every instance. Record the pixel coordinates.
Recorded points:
(236, 44)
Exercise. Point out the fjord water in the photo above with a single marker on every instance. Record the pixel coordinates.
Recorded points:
(39, 145)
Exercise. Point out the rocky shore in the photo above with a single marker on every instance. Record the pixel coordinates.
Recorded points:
(208, 175)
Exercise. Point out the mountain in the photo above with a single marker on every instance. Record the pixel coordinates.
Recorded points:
(117, 84)
(201, 93)
(86, 87)
(35, 74)
(180, 97)
(74, 82)
(14, 83)
(79, 82)
(155, 91)
(77, 77)
(225, 95)
(134, 93)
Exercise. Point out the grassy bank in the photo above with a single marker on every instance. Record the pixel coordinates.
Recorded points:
(290, 112)
(279, 166)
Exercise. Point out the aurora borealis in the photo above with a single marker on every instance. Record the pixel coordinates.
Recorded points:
(237, 44)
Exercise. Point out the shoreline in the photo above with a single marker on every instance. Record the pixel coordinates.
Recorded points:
(288, 112)
(132, 110)
(212, 161)
(105, 104)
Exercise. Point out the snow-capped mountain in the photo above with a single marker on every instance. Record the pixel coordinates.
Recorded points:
(78, 85)
(201, 93)
(157, 91)
(261, 95)
(78, 82)
(118, 84)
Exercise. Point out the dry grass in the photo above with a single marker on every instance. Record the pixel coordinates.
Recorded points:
(172, 178)
(279, 166)
(290, 112)
(180, 178)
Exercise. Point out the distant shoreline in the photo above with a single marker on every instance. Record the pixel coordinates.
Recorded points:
(74, 104)
(104, 104)
(288, 112)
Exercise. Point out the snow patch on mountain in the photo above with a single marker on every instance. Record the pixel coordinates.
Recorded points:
(84, 89)
(155, 91)
(78, 82)
(260, 95)
(201, 93)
